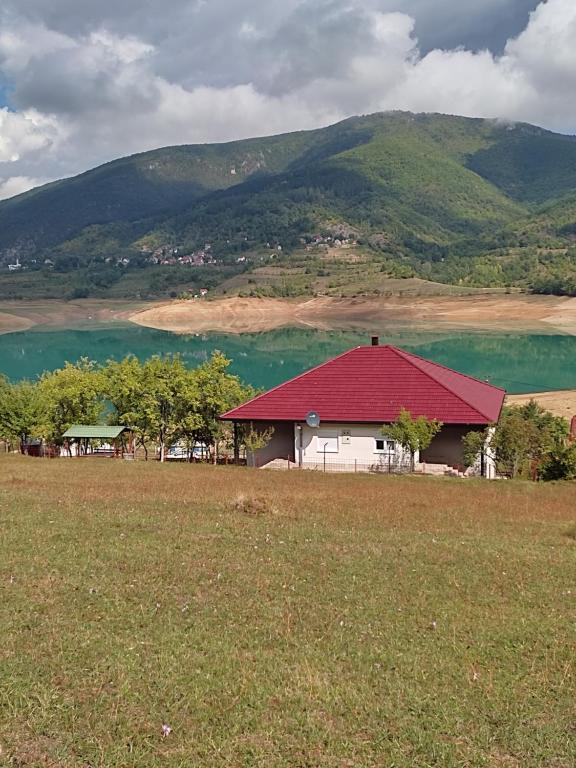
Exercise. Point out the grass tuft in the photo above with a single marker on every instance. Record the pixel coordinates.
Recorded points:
(253, 506)
(571, 533)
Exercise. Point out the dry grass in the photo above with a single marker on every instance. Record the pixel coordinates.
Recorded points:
(560, 403)
(282, 619)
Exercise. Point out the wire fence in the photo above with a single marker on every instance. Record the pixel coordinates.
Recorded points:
(386, 465)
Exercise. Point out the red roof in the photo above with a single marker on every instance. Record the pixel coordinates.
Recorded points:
(371, 385)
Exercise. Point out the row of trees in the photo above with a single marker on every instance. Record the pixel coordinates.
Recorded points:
(164, 403)
(161, 400)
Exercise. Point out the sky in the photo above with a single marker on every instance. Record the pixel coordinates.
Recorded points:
(84, 82)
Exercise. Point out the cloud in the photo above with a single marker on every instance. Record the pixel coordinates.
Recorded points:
(534, 79)
(16, 185)
(25, 133)
(90, 82)
(474, 24)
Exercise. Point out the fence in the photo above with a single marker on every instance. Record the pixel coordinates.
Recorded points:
(387, 465)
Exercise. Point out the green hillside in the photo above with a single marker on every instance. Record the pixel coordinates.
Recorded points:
(459, 200)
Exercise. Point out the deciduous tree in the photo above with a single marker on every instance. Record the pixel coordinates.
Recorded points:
(524, 437)
(70, 395)
(414, 435)
(21, 411)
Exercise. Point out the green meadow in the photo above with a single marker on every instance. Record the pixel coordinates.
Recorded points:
(282, 619)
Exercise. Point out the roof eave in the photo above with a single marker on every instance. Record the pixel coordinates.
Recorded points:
(481, 419)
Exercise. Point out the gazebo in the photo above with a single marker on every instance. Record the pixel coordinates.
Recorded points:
(81, 435)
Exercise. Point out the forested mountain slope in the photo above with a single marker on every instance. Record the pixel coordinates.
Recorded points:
(441, 196)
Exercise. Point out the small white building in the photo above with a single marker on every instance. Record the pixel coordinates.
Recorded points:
(334, 416)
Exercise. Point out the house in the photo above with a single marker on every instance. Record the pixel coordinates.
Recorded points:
(334, 416)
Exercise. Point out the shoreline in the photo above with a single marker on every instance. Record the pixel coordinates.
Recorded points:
(10, 323)
(56, 314)
(514, 313)
(504, 312)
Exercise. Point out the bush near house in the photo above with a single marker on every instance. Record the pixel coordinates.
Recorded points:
(528, 442)
(414, 435)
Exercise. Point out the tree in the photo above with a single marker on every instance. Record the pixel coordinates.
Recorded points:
(5, 433)
(161, 405)
(473, 444)
(70, 395)
(161, 400)
(189, 419)
(560, 464)
(524, 437)
(21, 411)
(124, 387)
(256, 439)
(218, 392)
(414, 435)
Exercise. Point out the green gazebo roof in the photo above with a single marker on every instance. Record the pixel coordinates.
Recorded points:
(95, 431)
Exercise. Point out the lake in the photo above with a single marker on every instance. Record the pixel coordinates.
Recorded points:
(518, 362)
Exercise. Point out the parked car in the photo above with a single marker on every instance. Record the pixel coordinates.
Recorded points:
(182, 451)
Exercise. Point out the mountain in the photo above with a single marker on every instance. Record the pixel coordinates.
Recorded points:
(452, 198)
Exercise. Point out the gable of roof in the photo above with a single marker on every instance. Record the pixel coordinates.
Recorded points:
(372, 385)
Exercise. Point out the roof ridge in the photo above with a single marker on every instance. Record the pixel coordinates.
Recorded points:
(294, 378)
(416, 359)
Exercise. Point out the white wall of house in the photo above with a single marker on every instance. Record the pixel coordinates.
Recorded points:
(361, 448)
(348, 447)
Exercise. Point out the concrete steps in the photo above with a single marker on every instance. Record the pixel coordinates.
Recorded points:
(440, 470)
(280, 464)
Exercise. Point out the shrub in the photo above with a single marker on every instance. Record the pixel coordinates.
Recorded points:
(560, 464)
(254, 506)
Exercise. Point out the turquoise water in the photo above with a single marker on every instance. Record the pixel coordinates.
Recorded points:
(520, 363)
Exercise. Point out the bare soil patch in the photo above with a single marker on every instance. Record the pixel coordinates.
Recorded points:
(546, 314)
(84, 313)
(10, 323)
(560, 403)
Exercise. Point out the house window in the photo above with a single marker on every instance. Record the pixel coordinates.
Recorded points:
(384, 446)
(327, 442)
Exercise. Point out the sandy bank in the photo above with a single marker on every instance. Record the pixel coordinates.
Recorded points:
(10, 323)
(85, 313)
(547, 314)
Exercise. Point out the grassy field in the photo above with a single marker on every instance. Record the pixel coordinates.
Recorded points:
(283, 619)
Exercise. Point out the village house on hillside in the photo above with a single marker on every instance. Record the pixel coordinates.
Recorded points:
(333, 416)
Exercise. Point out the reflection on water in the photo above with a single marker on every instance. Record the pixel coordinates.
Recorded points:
(520, 363)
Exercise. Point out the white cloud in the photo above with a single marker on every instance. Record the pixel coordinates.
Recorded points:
(534, 80)
(83, 96)
(25, 133)
(16, 185)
